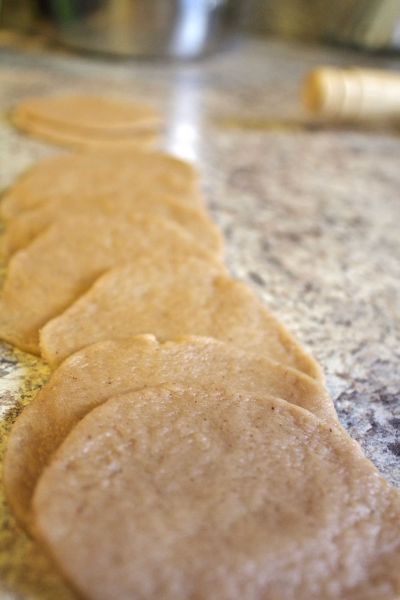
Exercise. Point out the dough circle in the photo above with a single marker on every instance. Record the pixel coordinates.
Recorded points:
(174, 494)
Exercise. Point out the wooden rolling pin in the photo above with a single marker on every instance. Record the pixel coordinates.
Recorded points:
(352, 93)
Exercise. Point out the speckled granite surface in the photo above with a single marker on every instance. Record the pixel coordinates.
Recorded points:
(310, 214)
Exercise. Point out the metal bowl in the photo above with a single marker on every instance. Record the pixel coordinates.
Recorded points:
(175, 28)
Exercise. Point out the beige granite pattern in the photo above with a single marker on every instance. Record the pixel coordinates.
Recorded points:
(310, 214)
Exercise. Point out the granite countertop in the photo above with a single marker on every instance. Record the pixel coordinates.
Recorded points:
(310, 216)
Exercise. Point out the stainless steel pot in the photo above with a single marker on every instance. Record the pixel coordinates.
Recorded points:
(176, 28)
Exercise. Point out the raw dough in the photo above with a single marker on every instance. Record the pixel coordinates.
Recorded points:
(105, 369)
(82, 176)
(61, 264)
(87, 114)
(171, 299)
(22, 229)
(177, 494)
(141, 140)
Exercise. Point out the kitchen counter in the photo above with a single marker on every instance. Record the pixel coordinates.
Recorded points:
(310, 214)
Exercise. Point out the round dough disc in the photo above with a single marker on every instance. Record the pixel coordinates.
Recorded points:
(175, 494)
(82, 176)
(105, 369)
(171, 299)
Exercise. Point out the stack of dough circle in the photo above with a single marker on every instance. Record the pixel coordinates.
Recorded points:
(185, 446)
(89, 122)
